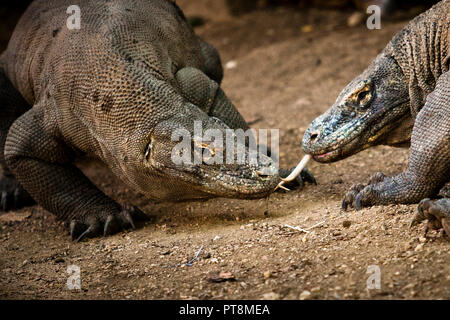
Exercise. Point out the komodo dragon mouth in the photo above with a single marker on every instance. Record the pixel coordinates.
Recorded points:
(244, 183)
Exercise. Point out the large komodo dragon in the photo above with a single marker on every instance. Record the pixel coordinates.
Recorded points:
(116, 89)
(401, 99)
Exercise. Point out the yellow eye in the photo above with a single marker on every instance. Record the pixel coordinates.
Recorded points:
(363, 97)
(148, 149)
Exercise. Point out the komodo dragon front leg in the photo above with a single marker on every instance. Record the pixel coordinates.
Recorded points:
(429, 161)
(42, 162)
(12, 106)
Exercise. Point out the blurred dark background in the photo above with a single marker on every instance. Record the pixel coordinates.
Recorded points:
(389, 6)
(392, 9)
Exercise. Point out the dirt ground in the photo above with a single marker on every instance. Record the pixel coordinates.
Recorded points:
(289, 68)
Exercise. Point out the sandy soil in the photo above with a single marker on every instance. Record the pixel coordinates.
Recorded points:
(285, 77)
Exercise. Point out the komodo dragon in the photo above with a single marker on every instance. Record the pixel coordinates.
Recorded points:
(401, 99)
(115, 89)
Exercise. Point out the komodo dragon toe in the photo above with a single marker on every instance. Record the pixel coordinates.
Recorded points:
(437, 214)
(94, 225)
(299, 182)
(13, 195)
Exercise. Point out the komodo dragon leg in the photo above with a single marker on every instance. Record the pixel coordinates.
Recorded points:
(429, 161)
(42, 162)
(206, 93)
(213, 65)
(12, 106)
(437, 213)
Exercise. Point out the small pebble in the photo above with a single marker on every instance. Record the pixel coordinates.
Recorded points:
(305, 295)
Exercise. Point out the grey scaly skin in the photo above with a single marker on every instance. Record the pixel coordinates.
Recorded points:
(116, 89)
(401, 99)
(437, 214)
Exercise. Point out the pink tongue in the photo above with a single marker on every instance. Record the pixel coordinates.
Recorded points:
(323, 155)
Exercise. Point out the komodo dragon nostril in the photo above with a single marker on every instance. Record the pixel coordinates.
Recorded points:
(314, 135)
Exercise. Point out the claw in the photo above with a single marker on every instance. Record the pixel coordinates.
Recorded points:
(377, 178)
(128, 218)
(358, 202)
(90, 232)
(111, 225)
(94, 225)
(76, 228)
(413, 222)
(280, 186)
(83, 234)
(344, 204)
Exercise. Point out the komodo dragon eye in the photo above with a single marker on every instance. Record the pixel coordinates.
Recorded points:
(363, 96)
(148, 150)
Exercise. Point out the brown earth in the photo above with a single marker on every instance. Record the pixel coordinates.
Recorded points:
(285, 77)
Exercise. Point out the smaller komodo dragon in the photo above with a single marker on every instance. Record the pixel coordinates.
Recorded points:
(115, 89)
(401, 99)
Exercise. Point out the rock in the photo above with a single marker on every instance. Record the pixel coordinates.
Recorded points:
(346, 223)
(305, 295)
(271, 296)
(221, 277)
(231, 64)
(267, 274)
(419, 247)
(206, 255)
(307, 28)
(59, 260)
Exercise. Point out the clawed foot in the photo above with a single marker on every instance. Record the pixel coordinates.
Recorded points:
(437, 214)
(298, 182)
(13, 195)
(361, 195)
(95, 225)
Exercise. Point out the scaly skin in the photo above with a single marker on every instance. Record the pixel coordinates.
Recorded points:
(437, 214)
(116, 89)
(402, 98)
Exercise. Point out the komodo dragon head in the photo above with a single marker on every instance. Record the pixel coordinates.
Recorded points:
(169, 161)
(373, 109)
